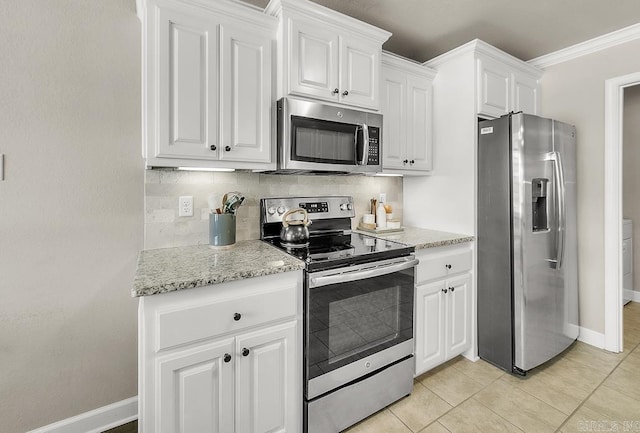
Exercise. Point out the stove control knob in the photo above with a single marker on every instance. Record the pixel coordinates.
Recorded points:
(281, 210)
(271, 210)
(344, 206)
(349, 206)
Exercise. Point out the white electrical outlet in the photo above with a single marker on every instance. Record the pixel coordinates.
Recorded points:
(383, 197)
(185, 205)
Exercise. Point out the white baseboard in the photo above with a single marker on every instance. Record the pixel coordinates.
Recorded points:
(591, 337)
(97, 420)
(632, 294)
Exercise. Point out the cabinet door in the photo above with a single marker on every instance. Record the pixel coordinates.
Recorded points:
(195, 390)
(458, 315)
(268, 386)
(493, 88)
(430, 330)
(526, 94)
(394, 85)
(246, 95)
(359, 73)
(419, 123)
(313, 57)
(186, 115)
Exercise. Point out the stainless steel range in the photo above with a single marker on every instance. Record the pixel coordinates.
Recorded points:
(358, 318)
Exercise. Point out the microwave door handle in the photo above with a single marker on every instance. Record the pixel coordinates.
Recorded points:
(365, 142)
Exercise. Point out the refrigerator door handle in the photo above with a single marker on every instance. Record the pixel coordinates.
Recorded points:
(562, 211)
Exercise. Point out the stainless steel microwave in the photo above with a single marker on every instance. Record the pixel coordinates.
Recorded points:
(315, 138)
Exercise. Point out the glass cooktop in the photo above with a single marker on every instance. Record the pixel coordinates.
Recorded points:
(337, 250)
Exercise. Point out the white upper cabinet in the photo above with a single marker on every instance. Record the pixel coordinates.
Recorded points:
(182, 118)
(325, 55)
(494, 94)
(207, 84)
(315, 69)
(407, 116)
(526, 93)
(246, 96)
(505, 84)
(359, 72)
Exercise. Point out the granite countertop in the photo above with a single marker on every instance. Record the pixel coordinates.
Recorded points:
(169, 269)
(423, 238)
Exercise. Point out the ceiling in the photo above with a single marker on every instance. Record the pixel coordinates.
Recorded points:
(423, 29)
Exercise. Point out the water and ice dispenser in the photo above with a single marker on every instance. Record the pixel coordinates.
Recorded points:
(539, 204)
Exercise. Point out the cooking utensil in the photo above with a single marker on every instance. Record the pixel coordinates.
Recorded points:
(212, 199)
(231, 202)
(295, 231)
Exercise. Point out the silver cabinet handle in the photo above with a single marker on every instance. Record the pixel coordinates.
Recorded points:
(354, 275)
(345, 93)
(335, 91)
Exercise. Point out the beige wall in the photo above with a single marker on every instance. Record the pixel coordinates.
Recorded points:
(71, 207)
(573, 92)
(631, 171)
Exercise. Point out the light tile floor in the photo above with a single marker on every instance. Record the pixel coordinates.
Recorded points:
(583, 390)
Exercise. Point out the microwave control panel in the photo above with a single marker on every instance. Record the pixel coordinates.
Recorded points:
(374, 146)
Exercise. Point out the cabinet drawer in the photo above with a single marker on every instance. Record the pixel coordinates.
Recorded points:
(197, 322)
(440, 265)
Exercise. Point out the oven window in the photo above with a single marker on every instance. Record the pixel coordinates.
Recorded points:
(322, 141)
(350, 321)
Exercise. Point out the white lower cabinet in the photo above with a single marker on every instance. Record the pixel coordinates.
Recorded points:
(265, 380)
(195, 390)
(238, 371)
(444, 298)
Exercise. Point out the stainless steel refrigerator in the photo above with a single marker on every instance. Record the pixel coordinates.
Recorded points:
(527, 242)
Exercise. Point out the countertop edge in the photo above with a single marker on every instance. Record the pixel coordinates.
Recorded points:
(192, 284)
(444, 243)
(449, 238)
(141, 287)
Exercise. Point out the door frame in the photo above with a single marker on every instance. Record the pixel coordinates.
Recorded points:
(613, 135)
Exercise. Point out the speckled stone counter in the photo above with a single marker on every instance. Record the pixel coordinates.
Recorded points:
(169, 269)
(423, 238)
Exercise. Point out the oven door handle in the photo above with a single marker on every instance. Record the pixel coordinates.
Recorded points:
(354, 275)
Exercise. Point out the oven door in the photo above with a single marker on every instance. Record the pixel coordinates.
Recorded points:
(358, 319)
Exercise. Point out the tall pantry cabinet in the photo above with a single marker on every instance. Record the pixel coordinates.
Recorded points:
(473, 81)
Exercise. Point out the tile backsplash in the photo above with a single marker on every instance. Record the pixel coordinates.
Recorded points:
(164, 228)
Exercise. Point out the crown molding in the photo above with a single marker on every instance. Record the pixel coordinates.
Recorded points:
(469, 47)
(393, 60)
(590, 46)
(478, 46)
(235, 11)
(341, 22)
